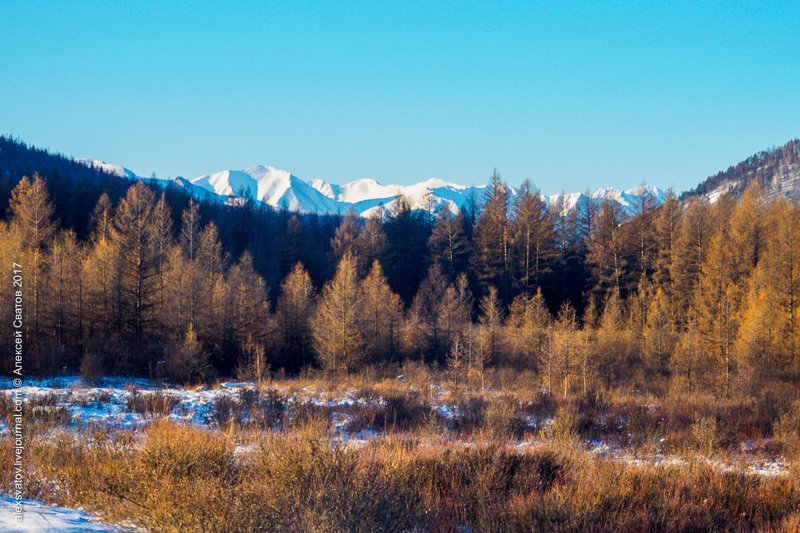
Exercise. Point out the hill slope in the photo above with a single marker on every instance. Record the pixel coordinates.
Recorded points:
(778, 169)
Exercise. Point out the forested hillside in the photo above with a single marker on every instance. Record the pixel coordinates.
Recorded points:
(148, 281)
(777, 170)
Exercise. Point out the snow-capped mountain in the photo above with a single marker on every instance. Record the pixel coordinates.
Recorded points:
(627, 199)
(367, 197)
(109, 168)
(270, 185)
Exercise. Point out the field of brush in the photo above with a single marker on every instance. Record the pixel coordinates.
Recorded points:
(403, 449)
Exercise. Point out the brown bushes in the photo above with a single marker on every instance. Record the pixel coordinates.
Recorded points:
(185, 479)
(787, 431)
(151, 403)
(399, 411)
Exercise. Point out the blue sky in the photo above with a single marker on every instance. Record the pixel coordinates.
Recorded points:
(572, 95)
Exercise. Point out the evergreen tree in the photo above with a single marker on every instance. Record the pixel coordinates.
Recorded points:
(491, 240)
(406, 257)
(448, 244)
(381, 316)
(606, 250)
(336, 334)
(491, 320)
(249, 301)
(33, 226)
(133, 232)
(424, 325)
(528, 323)
(295, 245)
(570, 253)
(532, 239)
(689, 254)
(294, 312)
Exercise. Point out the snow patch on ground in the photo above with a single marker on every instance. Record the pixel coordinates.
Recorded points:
(108, 404)
(39, 516)
(758, 467)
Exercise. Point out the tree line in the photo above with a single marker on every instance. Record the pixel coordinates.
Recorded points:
(686, 294)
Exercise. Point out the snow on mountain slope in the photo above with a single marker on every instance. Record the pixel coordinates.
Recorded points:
(195, 190)
(627, 199)
(330, 190)
(110, 168)
(367, 197)
(777, 169)
(270, 185)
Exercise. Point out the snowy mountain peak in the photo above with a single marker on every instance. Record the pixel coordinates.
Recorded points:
(367, 197)
(273, 186)
(110, 168)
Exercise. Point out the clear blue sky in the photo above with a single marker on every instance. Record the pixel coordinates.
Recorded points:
(570, 95)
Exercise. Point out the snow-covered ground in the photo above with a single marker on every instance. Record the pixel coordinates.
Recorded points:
(39, 516)
(112, 401)
(109, 402)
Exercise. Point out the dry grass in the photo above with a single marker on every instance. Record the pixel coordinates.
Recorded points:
(424, 471)
(179, 478)
(154, 404)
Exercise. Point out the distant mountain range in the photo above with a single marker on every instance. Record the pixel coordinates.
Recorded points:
(778, 169)
(367, 197)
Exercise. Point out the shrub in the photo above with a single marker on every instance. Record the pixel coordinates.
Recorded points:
(501, 418)
(564, 428)
(401, 412)
(150, 403)
(179, 478)
(187, 361)
(49, 415)
(787, 431)
(269, 408)
(704, 433)
(469, 414)
(184, 451)
(227, 409)
(6, 407)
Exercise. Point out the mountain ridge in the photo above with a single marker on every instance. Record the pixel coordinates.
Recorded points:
(777, 169)
(367, 197)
